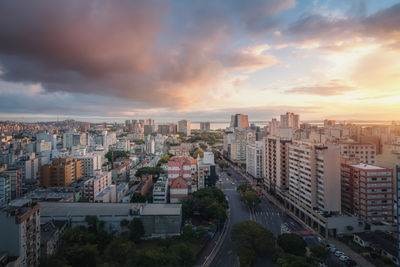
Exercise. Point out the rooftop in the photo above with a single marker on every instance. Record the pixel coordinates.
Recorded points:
(64, 209)
(366, 167)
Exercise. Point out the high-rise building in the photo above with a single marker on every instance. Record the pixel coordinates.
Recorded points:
(205, 127)
(149, 122)
(290, 120)
(184, 127)
(314, 176)
(149, 144)
(20, 232)
(239, 121)
(273, 126)
(61, 172)
(329, 123)
(5, 188)
(15, 181)
(255, 162)
(368, 192)
(276, 165)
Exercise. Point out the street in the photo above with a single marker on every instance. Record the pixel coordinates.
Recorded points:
(227, 256)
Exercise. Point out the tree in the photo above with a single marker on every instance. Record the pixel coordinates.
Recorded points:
(244, 188)
(203, 146)
(156, 171)
(92, 221)
(251, 239)
(250, 199)
(289, 260)
(138, 198)
(112, 155)
(319, 252)
(223, 165)
(136, 229)
(164, 159)
(292, 243)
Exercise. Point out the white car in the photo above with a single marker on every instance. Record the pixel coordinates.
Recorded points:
(332, 249)
(344, 258)
(339, 253)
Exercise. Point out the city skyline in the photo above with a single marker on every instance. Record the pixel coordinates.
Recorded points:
(98, 61)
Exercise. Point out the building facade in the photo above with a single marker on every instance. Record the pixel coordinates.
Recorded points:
(368, 192)
(61, 172)
(255, 159)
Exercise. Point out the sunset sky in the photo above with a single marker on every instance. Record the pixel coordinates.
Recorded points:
(199, 60)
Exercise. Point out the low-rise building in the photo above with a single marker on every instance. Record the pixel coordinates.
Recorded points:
(51, 234)
(95, 185)
(160, 191)
(179, 190)
(159, 220)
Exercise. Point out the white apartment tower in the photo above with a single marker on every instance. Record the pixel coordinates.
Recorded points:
(314, 176)
(255, 159)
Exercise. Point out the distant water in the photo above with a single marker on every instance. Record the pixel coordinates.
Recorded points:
(223, 125)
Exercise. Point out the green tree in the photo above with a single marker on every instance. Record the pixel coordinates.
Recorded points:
(156, 171)
(223, 165)
(244, 188)
(319, 252)
(185, 253)
(292, 243)
(92, 222)
(289, 260)
(112, 155)
(138, 198)
(203, 146)
(136, 229)
(251, 239)
(250, 198)
(81, 255)
(164, 159)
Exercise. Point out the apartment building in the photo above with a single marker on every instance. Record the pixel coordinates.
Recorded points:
(255, 156)
(20, 232)
(239, 121)
(182, 166)
(290, 120)
(368, 192)
(90, 163)
(276, 165)
(365, 152)
(314, 190)
(15, 181)
(205, 127)
(314, 175)
(184, 127)
(206, 174)
(120, 174)
(5, 188)
(61, 172)
(179, 190)
(95, 185)
(160, 191)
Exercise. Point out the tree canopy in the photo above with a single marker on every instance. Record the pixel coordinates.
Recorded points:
(112, 155)
(149, 170)
(251, 239)
(293, 244)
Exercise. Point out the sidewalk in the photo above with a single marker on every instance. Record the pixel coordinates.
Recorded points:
(361, 261)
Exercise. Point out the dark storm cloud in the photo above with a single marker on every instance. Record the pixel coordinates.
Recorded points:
(129, 49)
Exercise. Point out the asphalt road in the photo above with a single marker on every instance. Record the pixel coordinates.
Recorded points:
(227, 255)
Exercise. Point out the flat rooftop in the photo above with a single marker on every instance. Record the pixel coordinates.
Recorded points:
(367, 167)
(65, 209)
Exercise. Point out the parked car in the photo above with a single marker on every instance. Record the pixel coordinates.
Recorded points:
(330, 246)
(332, 249)
(350, 262)
(344, 258)
(339, 253)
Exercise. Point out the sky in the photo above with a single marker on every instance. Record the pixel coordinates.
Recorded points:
(99, 60)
